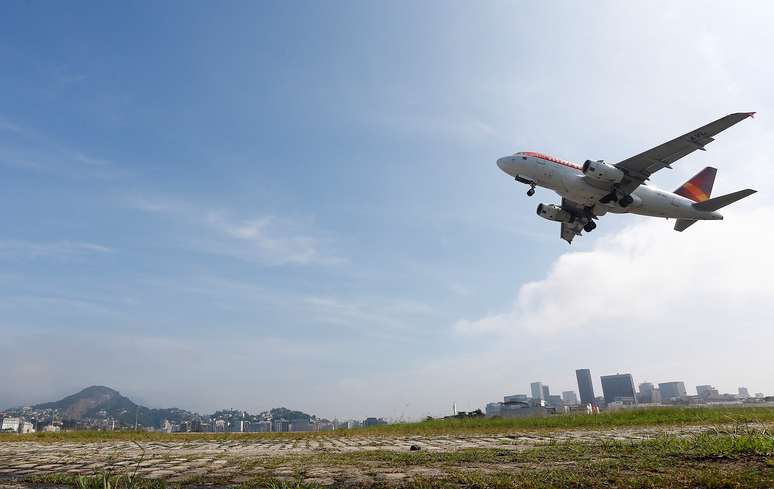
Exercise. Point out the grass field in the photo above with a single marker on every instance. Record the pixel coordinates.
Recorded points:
(654, 416)
(710, 448)
(740, 459)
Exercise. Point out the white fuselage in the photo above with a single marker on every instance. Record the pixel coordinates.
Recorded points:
(567, 179)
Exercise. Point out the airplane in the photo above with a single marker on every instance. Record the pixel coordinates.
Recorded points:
(595, 188)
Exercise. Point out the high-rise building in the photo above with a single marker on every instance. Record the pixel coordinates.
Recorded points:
(536, 389)
(618, 387)
(744, 393)
(585, 387)
(570, 398)
(655, 396)
(672, 390)
(546, 392)
(646, 393)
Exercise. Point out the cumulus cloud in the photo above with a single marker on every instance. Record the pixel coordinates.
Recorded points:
(647, 273)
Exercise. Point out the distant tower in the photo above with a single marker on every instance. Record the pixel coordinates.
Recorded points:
(646, 392)
(454, 408)
(619, 387)
(744, 393)
(546, 392)
(537, 390)
(585, 387)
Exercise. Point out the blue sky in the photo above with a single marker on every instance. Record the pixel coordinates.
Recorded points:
(249, 204)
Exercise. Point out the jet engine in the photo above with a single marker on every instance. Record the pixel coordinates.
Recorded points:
(553, 212)
(599, 170)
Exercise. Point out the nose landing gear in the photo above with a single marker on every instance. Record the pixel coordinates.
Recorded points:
(531, 190)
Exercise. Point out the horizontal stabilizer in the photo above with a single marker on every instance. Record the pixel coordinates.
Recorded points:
(716, 203)
(683, 224)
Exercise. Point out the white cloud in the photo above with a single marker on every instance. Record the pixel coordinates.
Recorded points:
(61, 249)
(649, 273)
(265, 239)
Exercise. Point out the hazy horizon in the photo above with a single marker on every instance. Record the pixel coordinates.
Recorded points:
(253, 205)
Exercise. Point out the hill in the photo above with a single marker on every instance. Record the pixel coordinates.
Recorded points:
(103, 402)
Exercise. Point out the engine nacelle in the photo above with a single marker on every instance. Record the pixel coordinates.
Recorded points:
(599, 170)
(553, 212)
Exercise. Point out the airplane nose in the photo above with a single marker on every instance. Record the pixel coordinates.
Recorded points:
(501, 164)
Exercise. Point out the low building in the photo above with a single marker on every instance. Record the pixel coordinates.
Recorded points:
(373, 422)
(239, 426)
(570, 398)
(516, 397)
(260, 427)
(280, 426)
(518, 409)
(672, 391)
(492, 409)
(707, 392)
(555, 402)
(10, 424)
(301, 425)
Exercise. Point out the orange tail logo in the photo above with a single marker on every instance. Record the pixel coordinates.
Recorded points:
(698, 188)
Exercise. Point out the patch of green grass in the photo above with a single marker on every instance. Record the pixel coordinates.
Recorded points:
(104, 480)
(648, 416)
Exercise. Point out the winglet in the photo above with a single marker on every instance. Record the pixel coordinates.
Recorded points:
(751, 114)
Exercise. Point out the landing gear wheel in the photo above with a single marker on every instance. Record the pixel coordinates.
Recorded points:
(611, 197)
(531, 192)
(590, 226)
(625, 201)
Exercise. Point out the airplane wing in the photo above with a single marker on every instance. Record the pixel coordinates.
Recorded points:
(639, 168)
(570, 230)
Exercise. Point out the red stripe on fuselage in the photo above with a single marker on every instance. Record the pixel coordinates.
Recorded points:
(553, 159)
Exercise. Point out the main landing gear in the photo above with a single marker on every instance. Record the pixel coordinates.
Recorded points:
(590, 226)
(623, 201)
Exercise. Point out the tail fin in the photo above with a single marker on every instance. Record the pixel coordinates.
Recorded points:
(712, 205)
(699, 188)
